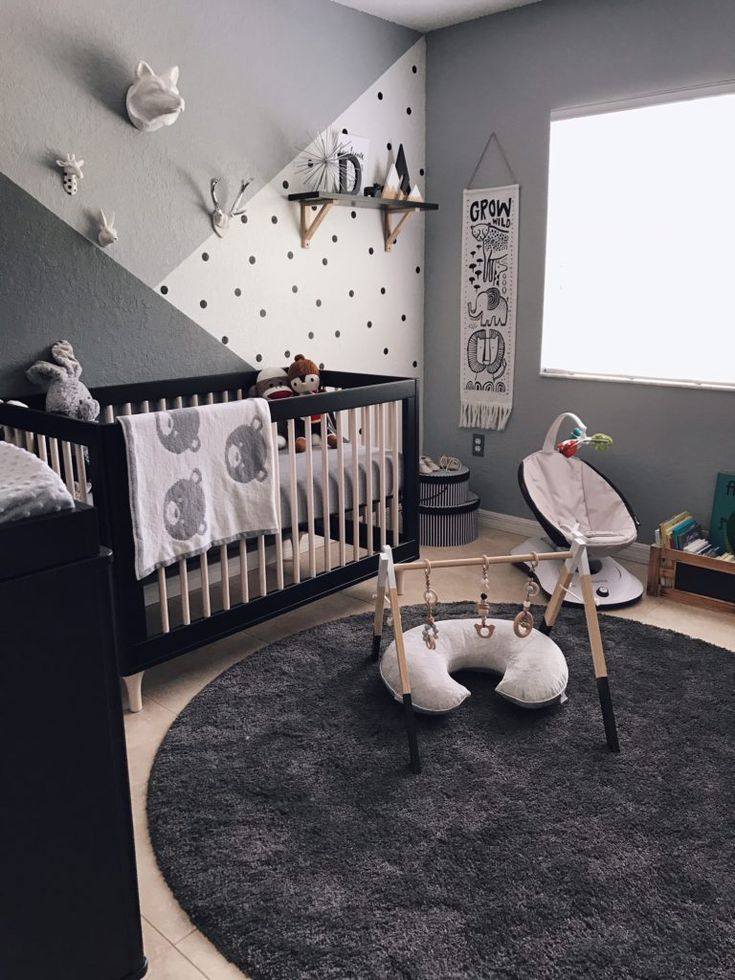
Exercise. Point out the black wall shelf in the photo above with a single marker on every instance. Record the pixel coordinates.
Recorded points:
(323, 203)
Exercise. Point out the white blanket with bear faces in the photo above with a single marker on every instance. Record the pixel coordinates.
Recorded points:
(199, 477)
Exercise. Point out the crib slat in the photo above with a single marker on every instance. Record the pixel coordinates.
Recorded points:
(224, 570)
(179, 403)
(145, 406)
(225, 396)
(204, 573)
(42, 448)
(293, 490)
(54, 447)
(341, 492)
(109, 413)
(184, 590)
(368, 432)
(395, 516)
(244, 591)
(163, 600)
(30, 441)
(81, 472)
(355, 485)
(238, 395)
(326, 504)
(382, 504)
(68, 468)
(310, 496)
(279, 521)
(262, 578)
(126, 409)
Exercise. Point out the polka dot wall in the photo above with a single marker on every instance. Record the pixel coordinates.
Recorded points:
(344, 301)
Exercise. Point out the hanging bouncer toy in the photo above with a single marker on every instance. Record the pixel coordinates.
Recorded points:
(523, 623)
(483, 628)
(430, 631)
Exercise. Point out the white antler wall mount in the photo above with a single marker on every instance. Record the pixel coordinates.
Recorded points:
(220, 217)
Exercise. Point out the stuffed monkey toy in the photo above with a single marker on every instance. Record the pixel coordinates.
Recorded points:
(303, 379)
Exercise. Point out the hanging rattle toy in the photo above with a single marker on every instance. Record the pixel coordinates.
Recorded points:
(578, 438)
(430, 632)
(523, 623)
(483, 628)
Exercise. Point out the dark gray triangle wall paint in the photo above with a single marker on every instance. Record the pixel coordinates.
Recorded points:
(54, 285)
(259, 77)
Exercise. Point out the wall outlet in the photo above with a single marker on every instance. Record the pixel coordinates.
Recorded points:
(478, 444)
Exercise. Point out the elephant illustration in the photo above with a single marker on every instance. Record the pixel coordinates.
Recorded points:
(491, 309)
(486, 352)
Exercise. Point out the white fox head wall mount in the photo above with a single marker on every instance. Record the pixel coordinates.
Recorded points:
(153, 100)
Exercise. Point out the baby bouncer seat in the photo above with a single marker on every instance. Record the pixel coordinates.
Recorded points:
(568, 495)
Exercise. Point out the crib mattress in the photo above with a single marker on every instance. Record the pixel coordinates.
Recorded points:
(28, 487)
(317, 459)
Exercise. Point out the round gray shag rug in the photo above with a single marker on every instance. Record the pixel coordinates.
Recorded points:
(289, 827)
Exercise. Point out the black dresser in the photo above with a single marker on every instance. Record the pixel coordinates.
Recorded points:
(68, 888)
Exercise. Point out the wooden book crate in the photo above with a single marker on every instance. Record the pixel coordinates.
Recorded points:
(692, 579)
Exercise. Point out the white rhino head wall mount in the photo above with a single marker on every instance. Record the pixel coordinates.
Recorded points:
(153, 100)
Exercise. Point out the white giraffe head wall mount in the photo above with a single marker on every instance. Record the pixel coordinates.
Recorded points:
(153, 101)
(72, 172)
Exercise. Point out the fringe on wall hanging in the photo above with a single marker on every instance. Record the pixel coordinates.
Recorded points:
(488, 298)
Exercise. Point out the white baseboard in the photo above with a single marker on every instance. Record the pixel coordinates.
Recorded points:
(637, 552)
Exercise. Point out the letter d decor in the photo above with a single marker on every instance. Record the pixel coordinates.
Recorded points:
(488, 315)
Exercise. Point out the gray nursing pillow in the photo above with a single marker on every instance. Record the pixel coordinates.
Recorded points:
(65, 393)
(534, 669)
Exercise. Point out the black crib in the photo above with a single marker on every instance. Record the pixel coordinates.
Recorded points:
(371, 499)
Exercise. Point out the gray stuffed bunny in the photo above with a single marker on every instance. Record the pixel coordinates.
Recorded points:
(65, 393)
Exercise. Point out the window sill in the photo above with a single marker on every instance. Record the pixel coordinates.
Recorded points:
(631, 379)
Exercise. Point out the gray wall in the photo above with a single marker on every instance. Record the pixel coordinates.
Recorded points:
(55, 285)
(507, 73)
(258, 76)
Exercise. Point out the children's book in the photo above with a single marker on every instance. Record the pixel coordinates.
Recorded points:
(722, 525)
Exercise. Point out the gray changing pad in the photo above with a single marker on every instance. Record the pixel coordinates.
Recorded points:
(28, 487)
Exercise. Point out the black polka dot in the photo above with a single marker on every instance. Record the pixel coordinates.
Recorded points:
(285, 185)
(225, 340)
(325, 262)
(203, 303)
(380, 96)
(418, 269)
(382, 290)
(403, 317)
(389, 146)
(238, 291)
(205, 256)
(321, 366)
(337, 333)
(244, 219)
(334, 238)
(313, 207)
(289, 255)
(408, 110)
(287, 354)
(164, 289)
(311, 335)
(251, 260)
(258, 358)
(294, 289)
(369, 323)
(344, 131)
(353, 214)
(371, 250)
(318, 302)
(351, 293)
(274, 219)
(385, 350)
(414, 69)
(421, 172)
(415, 364)
(262, 312)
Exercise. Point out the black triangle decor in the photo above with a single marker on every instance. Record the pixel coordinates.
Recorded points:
(402, 168)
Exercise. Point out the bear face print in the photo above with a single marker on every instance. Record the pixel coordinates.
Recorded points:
(246, 453)
(184, 508)
(179, 430)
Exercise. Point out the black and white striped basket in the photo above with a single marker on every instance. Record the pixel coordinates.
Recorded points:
(451, 526)
(444, 488)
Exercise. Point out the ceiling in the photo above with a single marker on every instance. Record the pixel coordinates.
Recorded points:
(428, 15)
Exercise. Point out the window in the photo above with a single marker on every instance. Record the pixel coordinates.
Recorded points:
(640, 246)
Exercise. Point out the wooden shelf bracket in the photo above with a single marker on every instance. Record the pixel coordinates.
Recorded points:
(390, 235)
(310, 228)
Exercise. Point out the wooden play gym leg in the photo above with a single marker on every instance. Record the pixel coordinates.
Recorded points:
(379, 607)
(134, 687)
(598, 660)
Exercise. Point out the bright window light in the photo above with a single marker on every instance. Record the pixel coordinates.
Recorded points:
(640, 246)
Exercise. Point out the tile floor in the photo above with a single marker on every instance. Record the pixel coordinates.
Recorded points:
(175, 948)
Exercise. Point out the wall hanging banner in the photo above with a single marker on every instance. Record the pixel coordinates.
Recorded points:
(488, 314)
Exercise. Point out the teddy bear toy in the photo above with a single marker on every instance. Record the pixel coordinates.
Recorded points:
(65, 393)
(272, 384)
(303, 379)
